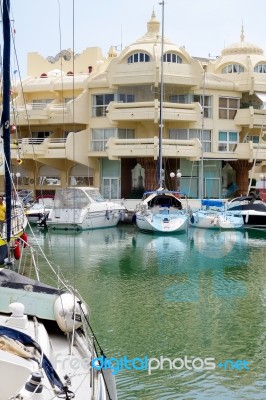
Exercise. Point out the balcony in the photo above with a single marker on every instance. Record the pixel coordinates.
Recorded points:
(149, 147)
(38, 148)
(150, 111)
(51, 113)
(250, 117)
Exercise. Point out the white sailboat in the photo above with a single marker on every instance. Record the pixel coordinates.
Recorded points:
(47, 346)
(213, 213)
(161, 210)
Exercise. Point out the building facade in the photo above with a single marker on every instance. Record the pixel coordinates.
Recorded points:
(83, 119)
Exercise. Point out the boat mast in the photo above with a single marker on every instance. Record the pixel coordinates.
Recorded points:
(201, 169)
(5, 120)
(161, 177)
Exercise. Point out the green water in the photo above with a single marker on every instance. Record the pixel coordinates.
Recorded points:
(201, 294)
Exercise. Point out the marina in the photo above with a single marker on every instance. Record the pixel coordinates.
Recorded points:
(197, 294)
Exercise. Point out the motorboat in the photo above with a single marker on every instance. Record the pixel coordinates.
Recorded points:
(47, 346)
(252, 209)
(37, 212)
(215, 215)
(83, 208)
(161, 211)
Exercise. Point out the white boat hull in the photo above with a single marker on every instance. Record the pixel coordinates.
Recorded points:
(83, 220)
(216, 220)
(162, 222)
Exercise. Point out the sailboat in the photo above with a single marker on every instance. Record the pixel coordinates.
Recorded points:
(213, 213)
(47, 347)
(161, 210)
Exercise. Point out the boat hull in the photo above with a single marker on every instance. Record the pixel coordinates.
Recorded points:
(162, 223)
(209, 220)
(84, 221)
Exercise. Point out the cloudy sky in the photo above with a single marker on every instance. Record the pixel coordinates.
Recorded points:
(204, 27)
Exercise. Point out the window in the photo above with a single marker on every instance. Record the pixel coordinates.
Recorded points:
(126, 133)
(172, 58)
(232, 69)
(260, 68)
(99, 138)
(126, 98)
(100, 103)
(138, 57)
(228, 107)
(186, 134)
(40, 104)
(254, 139)
(181, 98)
(227, 141)
(207, 104)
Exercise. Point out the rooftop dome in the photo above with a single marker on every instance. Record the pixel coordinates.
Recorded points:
(242, 47)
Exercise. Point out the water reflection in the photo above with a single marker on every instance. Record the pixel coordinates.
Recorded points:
(200, 251)
(196, 294)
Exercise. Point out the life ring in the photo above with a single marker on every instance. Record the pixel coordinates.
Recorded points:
(24, 238)
(16, 250)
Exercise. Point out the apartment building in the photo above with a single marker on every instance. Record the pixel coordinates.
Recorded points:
(85, 119)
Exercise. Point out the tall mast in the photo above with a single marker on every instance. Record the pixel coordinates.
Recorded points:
(5, 120)
(161, 105)
(201, 168)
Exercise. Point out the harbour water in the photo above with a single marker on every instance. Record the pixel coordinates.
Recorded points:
(195, 303)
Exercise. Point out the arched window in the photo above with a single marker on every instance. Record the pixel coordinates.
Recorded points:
(233, 69)
(138, 57)
(172, 58)
(260, 68)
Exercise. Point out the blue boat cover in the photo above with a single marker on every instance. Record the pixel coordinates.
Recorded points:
(211, 203)
(28, 341)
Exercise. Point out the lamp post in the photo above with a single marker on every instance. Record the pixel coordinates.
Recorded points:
(177, 177)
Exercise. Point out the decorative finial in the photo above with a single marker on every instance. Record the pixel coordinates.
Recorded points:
(242, 36)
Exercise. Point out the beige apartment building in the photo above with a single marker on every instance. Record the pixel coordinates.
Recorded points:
(86, 119)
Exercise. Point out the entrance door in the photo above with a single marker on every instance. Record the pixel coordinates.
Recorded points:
(212, 188)
(111, 188)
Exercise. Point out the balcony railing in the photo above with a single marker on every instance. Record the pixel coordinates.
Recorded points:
(149, 147)
(150, 110)
(250, 117)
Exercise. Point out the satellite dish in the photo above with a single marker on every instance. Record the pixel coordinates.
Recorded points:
(51, 59)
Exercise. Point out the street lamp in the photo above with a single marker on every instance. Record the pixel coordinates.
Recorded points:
(178, 176)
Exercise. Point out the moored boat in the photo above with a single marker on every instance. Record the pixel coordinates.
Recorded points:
(83, 208)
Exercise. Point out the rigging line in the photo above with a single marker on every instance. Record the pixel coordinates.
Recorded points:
(161, 103)
(255, 158)
(62, 79)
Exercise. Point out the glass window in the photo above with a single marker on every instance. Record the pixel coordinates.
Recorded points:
(227, 141)
(260, 68)
(126, 98)
(138, 57)
(228, 107)
(100, 103)
(232, 69)
(186, 134)
(99, 138)
(207, 100)
(126, 133)
(172, 58)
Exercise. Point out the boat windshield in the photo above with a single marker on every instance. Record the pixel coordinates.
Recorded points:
(70, 198)
(95, 195)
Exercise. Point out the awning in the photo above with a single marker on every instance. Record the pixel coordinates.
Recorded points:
(262, 97)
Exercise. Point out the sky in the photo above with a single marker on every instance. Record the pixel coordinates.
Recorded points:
(204, 27)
